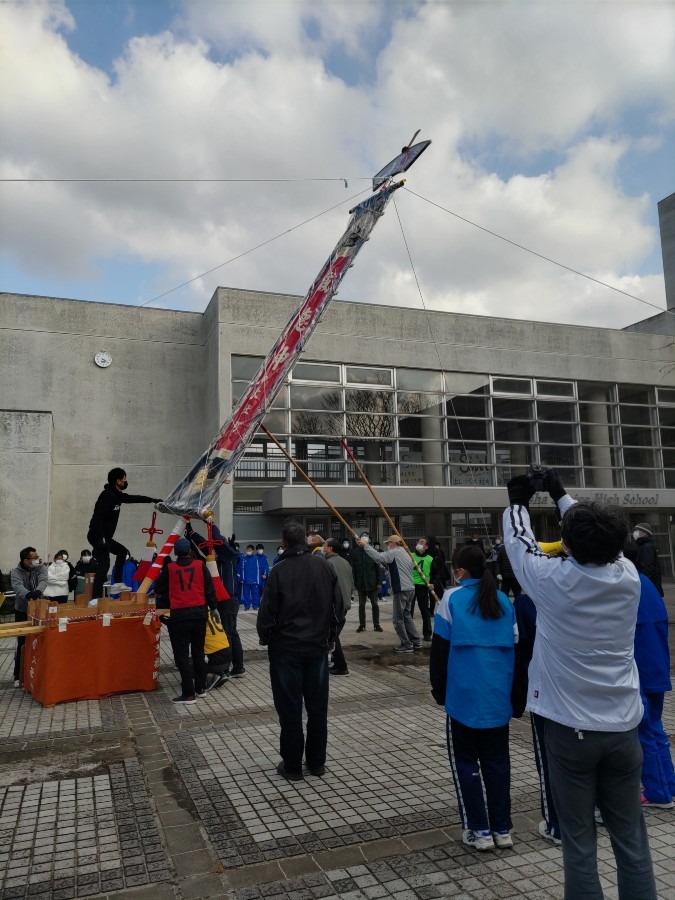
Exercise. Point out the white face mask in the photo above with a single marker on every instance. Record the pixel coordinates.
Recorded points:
(35, 563)
(420, 548)
(280, 551)
(345, 545)
(365, 538)
(86, 558)
(636, 535)
(260, 552)
(64, 558)
(249, 552)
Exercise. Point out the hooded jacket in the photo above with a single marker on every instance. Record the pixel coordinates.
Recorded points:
(648, 561)
(301, 606)
(58, 579)
(107, 512)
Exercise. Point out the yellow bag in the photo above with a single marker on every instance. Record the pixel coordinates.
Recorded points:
(216, 639)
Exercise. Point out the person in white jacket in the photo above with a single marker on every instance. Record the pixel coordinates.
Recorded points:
(583, 682)
(59, 575)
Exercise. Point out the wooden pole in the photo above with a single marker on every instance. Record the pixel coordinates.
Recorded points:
(308, 480)
(388, 517)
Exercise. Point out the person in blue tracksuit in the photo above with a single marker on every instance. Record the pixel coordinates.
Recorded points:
(249, 578)
(264, 564)
(652, 657)
(471, 672)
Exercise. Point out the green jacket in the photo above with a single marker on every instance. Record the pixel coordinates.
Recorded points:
(424, 562)
(366, 570)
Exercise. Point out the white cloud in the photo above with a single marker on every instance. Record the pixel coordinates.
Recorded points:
(531, 76)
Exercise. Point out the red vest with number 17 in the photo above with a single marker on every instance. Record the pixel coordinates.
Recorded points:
(186, 585)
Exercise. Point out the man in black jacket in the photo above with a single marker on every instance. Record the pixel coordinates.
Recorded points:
(648, 556)
(505, 575)
(299, 615)
(103, 524)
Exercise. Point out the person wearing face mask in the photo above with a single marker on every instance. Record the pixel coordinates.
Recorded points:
(280, 553)
(60, 575)
(264, 566)
(249, 578)
(647, 556)
(366, 578)
(345, 550)
(103, 523)
(85, 564)
(29, 580)
(423, 558)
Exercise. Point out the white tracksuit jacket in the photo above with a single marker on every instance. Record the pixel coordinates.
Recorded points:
(583, 672)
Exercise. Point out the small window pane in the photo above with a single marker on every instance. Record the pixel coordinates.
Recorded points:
(602, 478)
(467, 406)
(470, 467)
(276, 422)
(668, 437)
(328, 399)
(468, 429)
(371, 425)
(511, 409)
(598, 413)
(669, 459)
(551, 411)
(245, 366)
(666, 395)
(641, 478)
(555, 388)
(595, 391)
(418, 380)
(634, 393)
(305, 371)
(368, 376)
(638, 457)
(521, 432)
(419, 404)
(557, 434)
(599, 434)
(415, 427)
(667, 416)
(512, 386)
(466, 383)
(638, 437)
(514, 456)
(635, 415)
(558, 456)
(366, 401)
(603, 457)
(570, 477)
(317, 423)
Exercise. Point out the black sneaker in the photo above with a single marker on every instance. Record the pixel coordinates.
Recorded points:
(378, 628)
(289, 776)
(185, 698)
(321, 770)
(200, 694)
(333, 671)
(403, 649)
(221, 680)
(360, 629)
(237, 673)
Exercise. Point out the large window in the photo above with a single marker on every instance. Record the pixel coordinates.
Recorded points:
(424, 427)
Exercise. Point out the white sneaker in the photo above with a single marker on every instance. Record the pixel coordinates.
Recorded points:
(479, 840)
(545, 832)
(502, 838)
(16, 683)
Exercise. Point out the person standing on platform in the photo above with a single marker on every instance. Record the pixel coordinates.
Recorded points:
(345, 578)
(423, 558)
(28, 580)
(584, 682)
(186, 587)
(366, 578)
(227, 560)
(298, 621)
(103, 524)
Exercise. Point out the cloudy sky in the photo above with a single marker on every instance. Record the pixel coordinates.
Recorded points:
(552, 121)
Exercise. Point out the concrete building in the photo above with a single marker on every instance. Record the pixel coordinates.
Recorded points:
(441, 409)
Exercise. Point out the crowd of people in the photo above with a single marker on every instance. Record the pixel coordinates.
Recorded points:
(583, 646)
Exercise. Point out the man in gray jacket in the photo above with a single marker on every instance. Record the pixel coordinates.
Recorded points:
(400, 565)
(29, 579)
(345, 577)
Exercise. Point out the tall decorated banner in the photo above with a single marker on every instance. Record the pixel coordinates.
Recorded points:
(198, 491)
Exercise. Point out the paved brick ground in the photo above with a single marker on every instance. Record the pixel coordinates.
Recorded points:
(133, 797)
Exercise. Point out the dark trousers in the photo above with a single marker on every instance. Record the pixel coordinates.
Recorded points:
(339, 660)
(479, 758)
(187, 639)
(548, 810)
(229, 620)
(372, 596)
(510, 585)
(102, 555)
(20, 641)
(423, 597)
(296, 679)
(602, 768)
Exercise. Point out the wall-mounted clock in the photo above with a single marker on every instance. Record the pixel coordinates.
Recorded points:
(103, 359)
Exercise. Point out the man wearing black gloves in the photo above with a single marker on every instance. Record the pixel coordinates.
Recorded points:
(29, 579)
(103, 524)
(298, 620)
(583, 681)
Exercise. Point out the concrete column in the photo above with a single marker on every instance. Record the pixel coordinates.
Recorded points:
(432, 453)
(600, 435)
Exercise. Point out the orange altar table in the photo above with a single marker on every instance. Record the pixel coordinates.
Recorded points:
(89, 661)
